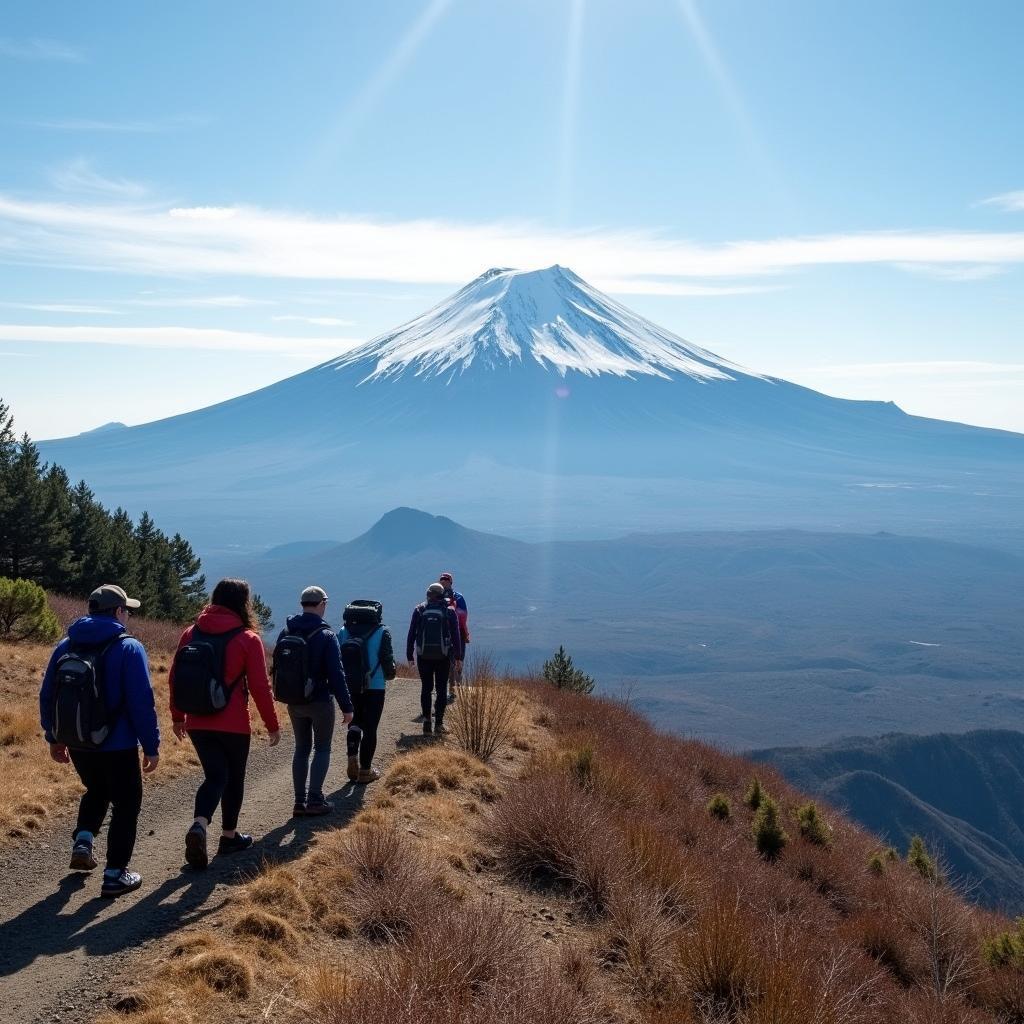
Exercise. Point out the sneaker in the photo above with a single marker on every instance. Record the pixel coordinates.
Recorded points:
(353, 768)
(117, 885)
(195, 847)
(299, 809)
(368, 775)
(315, 808)
(440, 729)
(238, 842)
(428, 727)
(82, 858)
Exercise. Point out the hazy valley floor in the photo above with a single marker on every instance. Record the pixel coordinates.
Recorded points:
(65, 952)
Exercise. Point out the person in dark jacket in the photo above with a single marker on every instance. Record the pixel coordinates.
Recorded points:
(458, 602)
(434, 656)
(369, 700)
(221, 740)
(313, 723)
(111, 774)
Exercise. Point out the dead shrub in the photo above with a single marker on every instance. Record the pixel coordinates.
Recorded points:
(486, 716)
(663, 866)
(220, 970)
(642, 945)
(718, 959)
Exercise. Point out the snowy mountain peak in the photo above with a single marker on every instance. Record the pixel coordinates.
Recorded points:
(550, 318)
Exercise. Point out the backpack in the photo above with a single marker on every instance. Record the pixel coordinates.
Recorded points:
(362, 621)
(199, 684)
(292, 673)
(433, 640)
(81, 718)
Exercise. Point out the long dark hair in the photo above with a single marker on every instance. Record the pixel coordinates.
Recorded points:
(236, 596)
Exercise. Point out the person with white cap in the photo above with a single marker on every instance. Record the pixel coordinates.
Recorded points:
(96, 707)
(308, 641)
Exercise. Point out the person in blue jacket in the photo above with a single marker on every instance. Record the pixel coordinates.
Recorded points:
(313, 723)
(111, 774)
(369, 699)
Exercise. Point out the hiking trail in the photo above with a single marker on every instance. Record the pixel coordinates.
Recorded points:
(65, 952)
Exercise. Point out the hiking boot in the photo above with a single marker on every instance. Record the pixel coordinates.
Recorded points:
(428, 727)
(299, 809)
(195, 847)
(353, 768)
(368, 775)
(316, 808)
(440, 729)
(238, 842)
(117, 885)
(82, 858)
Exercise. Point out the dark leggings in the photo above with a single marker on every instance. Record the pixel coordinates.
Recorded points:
(362, 733)
(223, 756)
(112, 779)
(434, 679)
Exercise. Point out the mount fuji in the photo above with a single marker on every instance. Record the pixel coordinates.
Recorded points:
(533, 404)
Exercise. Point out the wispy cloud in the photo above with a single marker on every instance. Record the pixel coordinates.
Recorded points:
(317, 321)
(61, 307)
(1011, 202)
(143, 126)
(201, 301)
(40, 49)
(252, 242)
(968, 272)
(79, 175)
(179, 338)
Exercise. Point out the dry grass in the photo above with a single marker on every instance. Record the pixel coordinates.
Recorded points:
(437, 769)
(485, 719)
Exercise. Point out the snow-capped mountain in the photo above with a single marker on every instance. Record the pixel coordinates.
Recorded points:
(506, 318)
(531, 403)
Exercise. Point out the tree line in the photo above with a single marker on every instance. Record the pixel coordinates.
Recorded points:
(58, 535)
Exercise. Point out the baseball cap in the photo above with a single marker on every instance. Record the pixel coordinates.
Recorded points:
(108, 597)
(435, 590)
(313, 595)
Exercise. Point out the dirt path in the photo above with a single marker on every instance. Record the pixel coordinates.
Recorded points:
(64, 951)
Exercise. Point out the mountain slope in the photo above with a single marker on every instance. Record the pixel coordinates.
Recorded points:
(964, 793)
(535, 404)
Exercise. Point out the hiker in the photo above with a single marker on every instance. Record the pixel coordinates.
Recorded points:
(368, 655)
(96, 707)
(219, 662)
(307, 675)
(455, 600)
(435, 635)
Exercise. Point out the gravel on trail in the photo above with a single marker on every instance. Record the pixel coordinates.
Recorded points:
(66, 953)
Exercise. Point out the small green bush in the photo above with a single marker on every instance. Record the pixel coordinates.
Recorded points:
(876, 864)
(719, 807)
(812, 826)
(560, 672)
(24, 612)
(1005, 949)
(921, 860)
(754, 795)
(769, 835)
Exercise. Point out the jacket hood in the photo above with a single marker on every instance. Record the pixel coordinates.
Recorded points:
(96, 629)
(215, 618)
(304, 623)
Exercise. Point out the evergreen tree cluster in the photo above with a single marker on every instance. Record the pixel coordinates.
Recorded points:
(59, 536)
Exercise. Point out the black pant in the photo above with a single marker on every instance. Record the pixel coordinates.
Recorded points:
(434, 678)
(112, 779)
(223, 756)
(362, 732)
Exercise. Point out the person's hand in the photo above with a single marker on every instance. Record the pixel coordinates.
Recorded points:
(347, 717)
(412, 664)
(149, 762)
(59, 753)
(180, 731)
(274, 738)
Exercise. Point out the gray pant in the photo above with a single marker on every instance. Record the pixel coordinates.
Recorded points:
(313, 725)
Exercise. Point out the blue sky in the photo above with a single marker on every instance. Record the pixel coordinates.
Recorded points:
(197, 199)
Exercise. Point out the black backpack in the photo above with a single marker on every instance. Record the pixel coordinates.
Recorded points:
(292, 672)
(362, 619)
(433, 640)
(199, 684)
(81, 717)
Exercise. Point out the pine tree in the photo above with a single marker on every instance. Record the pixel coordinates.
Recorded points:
(560, 672)
(264, 614)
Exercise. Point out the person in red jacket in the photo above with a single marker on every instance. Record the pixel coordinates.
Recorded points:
(222, 739)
